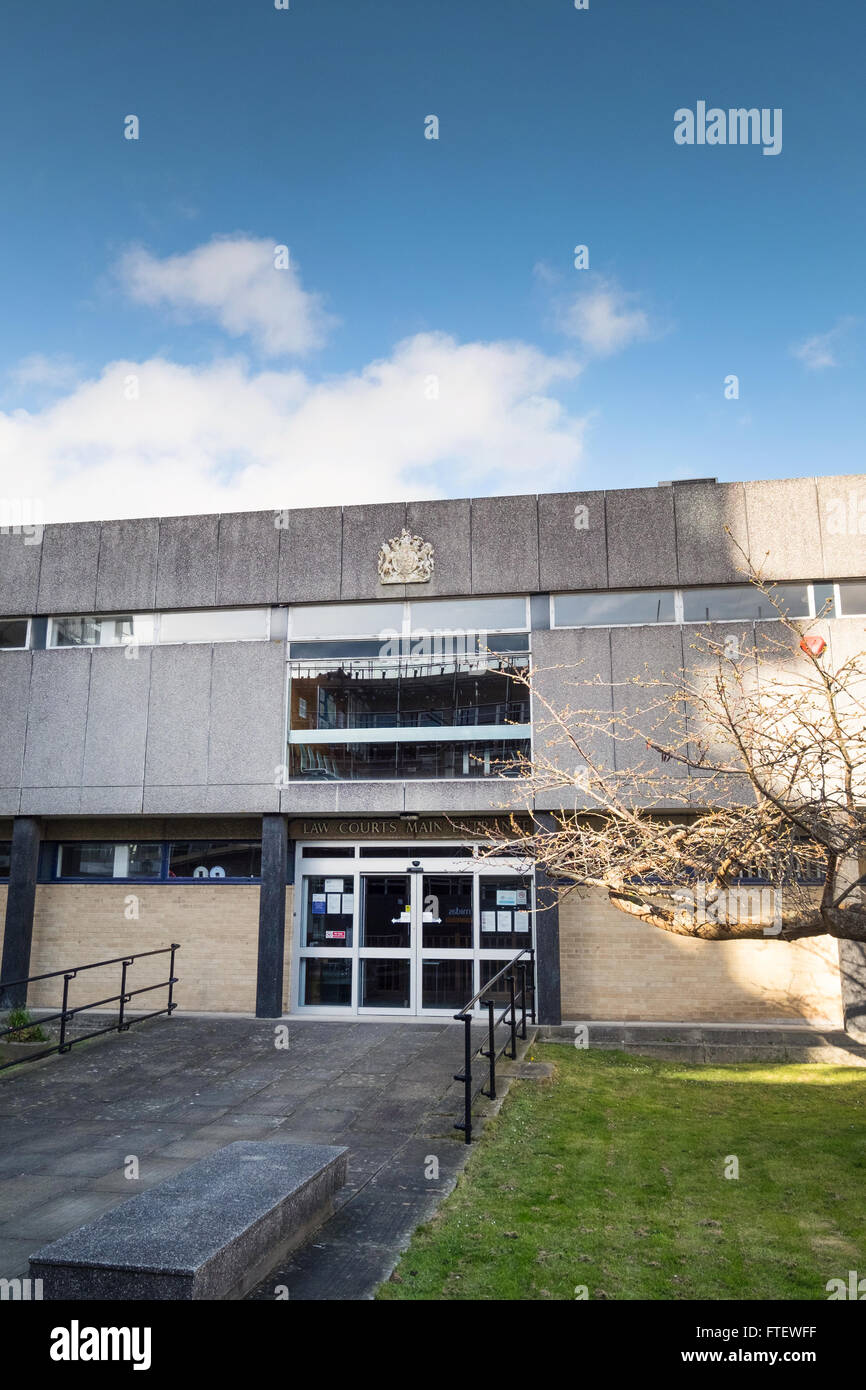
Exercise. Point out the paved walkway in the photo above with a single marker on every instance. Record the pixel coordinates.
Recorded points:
(170, 1092)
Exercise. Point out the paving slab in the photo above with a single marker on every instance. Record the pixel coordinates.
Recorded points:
(171, 1092)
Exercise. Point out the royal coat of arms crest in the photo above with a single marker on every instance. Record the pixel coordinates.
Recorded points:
(405, 559)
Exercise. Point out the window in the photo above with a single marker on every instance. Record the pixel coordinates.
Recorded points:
(467, 614)
(388, 719)
(852, 596)
(744, 602)
(396, 620)
(100, 631)
(215, 625)
(330, 908)
(13, 633)
(99, 859)
(614, 609)
(196, 625)
(390, 761)
(345, 619)
(505, 912)
(198, 859)
(405, 694)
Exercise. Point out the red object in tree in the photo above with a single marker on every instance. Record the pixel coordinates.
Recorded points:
(814, 646)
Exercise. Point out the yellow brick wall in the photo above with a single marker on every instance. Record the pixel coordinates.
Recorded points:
(616, 968)
(216, 926)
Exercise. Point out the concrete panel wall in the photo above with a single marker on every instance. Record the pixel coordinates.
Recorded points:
(448, 528)
(648, 653)
(635, 537)
(57, 719)
(117, 718)
(783, 534)
(67, 573)
(19, 575)
(566, 662)
(247, 720)
(504, 545)
(311, 544)
(641, 539)
(248, 563)
(706, 554)
(177, 725)
(14, 693)
(187, 564)
(364, 530)
(842, 514)
(127, 566)
(572, 541)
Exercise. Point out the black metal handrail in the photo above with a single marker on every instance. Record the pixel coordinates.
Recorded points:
(123, 1023)
(523, 997)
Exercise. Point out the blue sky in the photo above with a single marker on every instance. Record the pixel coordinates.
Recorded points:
(431, 335)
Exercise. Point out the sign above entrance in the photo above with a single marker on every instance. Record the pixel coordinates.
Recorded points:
(422, 828)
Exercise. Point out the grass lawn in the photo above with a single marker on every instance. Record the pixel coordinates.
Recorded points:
(612, 1176)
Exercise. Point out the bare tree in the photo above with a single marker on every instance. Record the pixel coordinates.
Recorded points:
(745, 768)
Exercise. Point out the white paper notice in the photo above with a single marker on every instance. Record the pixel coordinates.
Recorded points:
(333, 885)
(488, 921)
(506, 897)
(503, 921)
(348, 906)
(521, 921)
(334, 903)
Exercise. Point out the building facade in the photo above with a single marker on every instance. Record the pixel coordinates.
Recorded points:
(277, 738)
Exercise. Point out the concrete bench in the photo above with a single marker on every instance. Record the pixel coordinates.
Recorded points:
(212, 1231)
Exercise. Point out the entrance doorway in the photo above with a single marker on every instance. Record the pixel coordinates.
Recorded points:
(401, 931)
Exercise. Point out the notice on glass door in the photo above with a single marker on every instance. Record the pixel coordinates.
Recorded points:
(334, 900)
(348, 904)
(503, 921)
(488, 921)
(333, 885)
(319, 904)
(521, 921)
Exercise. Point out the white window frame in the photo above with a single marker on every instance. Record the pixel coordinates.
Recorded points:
(18, 618)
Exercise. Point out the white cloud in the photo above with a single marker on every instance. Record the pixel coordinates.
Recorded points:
(49, 373)
(603, 320)
(234, 282)
(821, 350)
(224, 437)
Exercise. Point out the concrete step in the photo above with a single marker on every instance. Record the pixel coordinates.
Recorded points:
(212, 1231)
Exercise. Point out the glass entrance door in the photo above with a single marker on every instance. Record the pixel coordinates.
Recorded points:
(387, 932)
(404, 932)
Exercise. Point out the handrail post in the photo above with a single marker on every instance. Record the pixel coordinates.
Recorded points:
(513, 1020)
(171, 1005)
(522, 968)
(467, 1078)
(122, 996)
(64, 1005)
(491, 1045)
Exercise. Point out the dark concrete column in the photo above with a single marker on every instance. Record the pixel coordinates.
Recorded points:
(547, 949)
(547, 968)
(20, 901)
(852, 972)
(272, 917)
